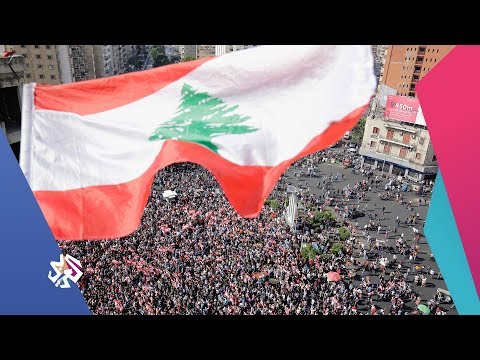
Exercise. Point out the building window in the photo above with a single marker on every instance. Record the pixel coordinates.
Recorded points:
(405, 58)
(38, 56)
(52, 77)
(434, 158)
(36, 46)
(50, 67)
(418, 156)
(376, 130)
(437, 50)
(39, 66)
(49, 57)
(428, 50)
(42, 76)
(403, 153)
(47, 46)
(390, 134)
(372, 144)
(435, 60)
(27, 76)
(386, 149)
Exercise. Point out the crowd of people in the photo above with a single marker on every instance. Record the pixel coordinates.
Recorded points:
(196, 255)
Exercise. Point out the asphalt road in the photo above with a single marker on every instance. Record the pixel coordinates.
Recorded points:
(393, 209)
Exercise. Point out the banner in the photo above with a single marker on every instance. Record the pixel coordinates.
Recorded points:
(401, 108)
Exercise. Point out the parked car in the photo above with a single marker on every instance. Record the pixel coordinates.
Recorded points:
(356, 214)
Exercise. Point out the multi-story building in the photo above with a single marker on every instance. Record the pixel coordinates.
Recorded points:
(224, 49)
(379, 54)
(189, 51)
(59, 64)
(112, 60)
(11, 78)
(41, 63)
(205, 51)
(83, 62)
(405, 65)
(399, 148)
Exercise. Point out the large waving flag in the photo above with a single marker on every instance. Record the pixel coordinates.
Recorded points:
(90, 150)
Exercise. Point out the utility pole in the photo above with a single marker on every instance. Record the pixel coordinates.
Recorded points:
(384, 159)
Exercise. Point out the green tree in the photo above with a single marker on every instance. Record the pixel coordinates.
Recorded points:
(357, 131)
(158, 56)
(336, 248)
(308, 252)
(343, 233)
(189, 58)
(201, 117)
(132, 60)
(273, 203)
(321, 218)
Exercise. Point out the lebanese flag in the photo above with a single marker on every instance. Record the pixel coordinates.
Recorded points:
(90, 150)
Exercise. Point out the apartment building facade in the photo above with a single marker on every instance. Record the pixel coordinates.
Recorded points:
(41, 63)
(225, 49)
(398, 148)
(405, 65)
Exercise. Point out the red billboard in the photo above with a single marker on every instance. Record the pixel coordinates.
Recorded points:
(401, 108)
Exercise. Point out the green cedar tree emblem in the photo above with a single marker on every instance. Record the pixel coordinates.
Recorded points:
(201, 117)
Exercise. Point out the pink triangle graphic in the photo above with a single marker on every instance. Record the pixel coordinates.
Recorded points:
(450, 99)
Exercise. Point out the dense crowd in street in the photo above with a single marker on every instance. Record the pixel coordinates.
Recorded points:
(196, 255)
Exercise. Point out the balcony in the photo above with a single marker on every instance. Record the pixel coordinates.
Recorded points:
(400, 128)
(412, 87)
(421, 53)
(419, 61)
(412, 93)
(415, 78)
(396, 142)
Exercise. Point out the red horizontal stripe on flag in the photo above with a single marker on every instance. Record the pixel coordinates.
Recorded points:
(90, 97)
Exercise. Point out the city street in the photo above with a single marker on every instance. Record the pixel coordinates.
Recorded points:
(374, 206)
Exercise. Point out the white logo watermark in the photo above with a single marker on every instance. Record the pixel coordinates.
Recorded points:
(67, 268)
